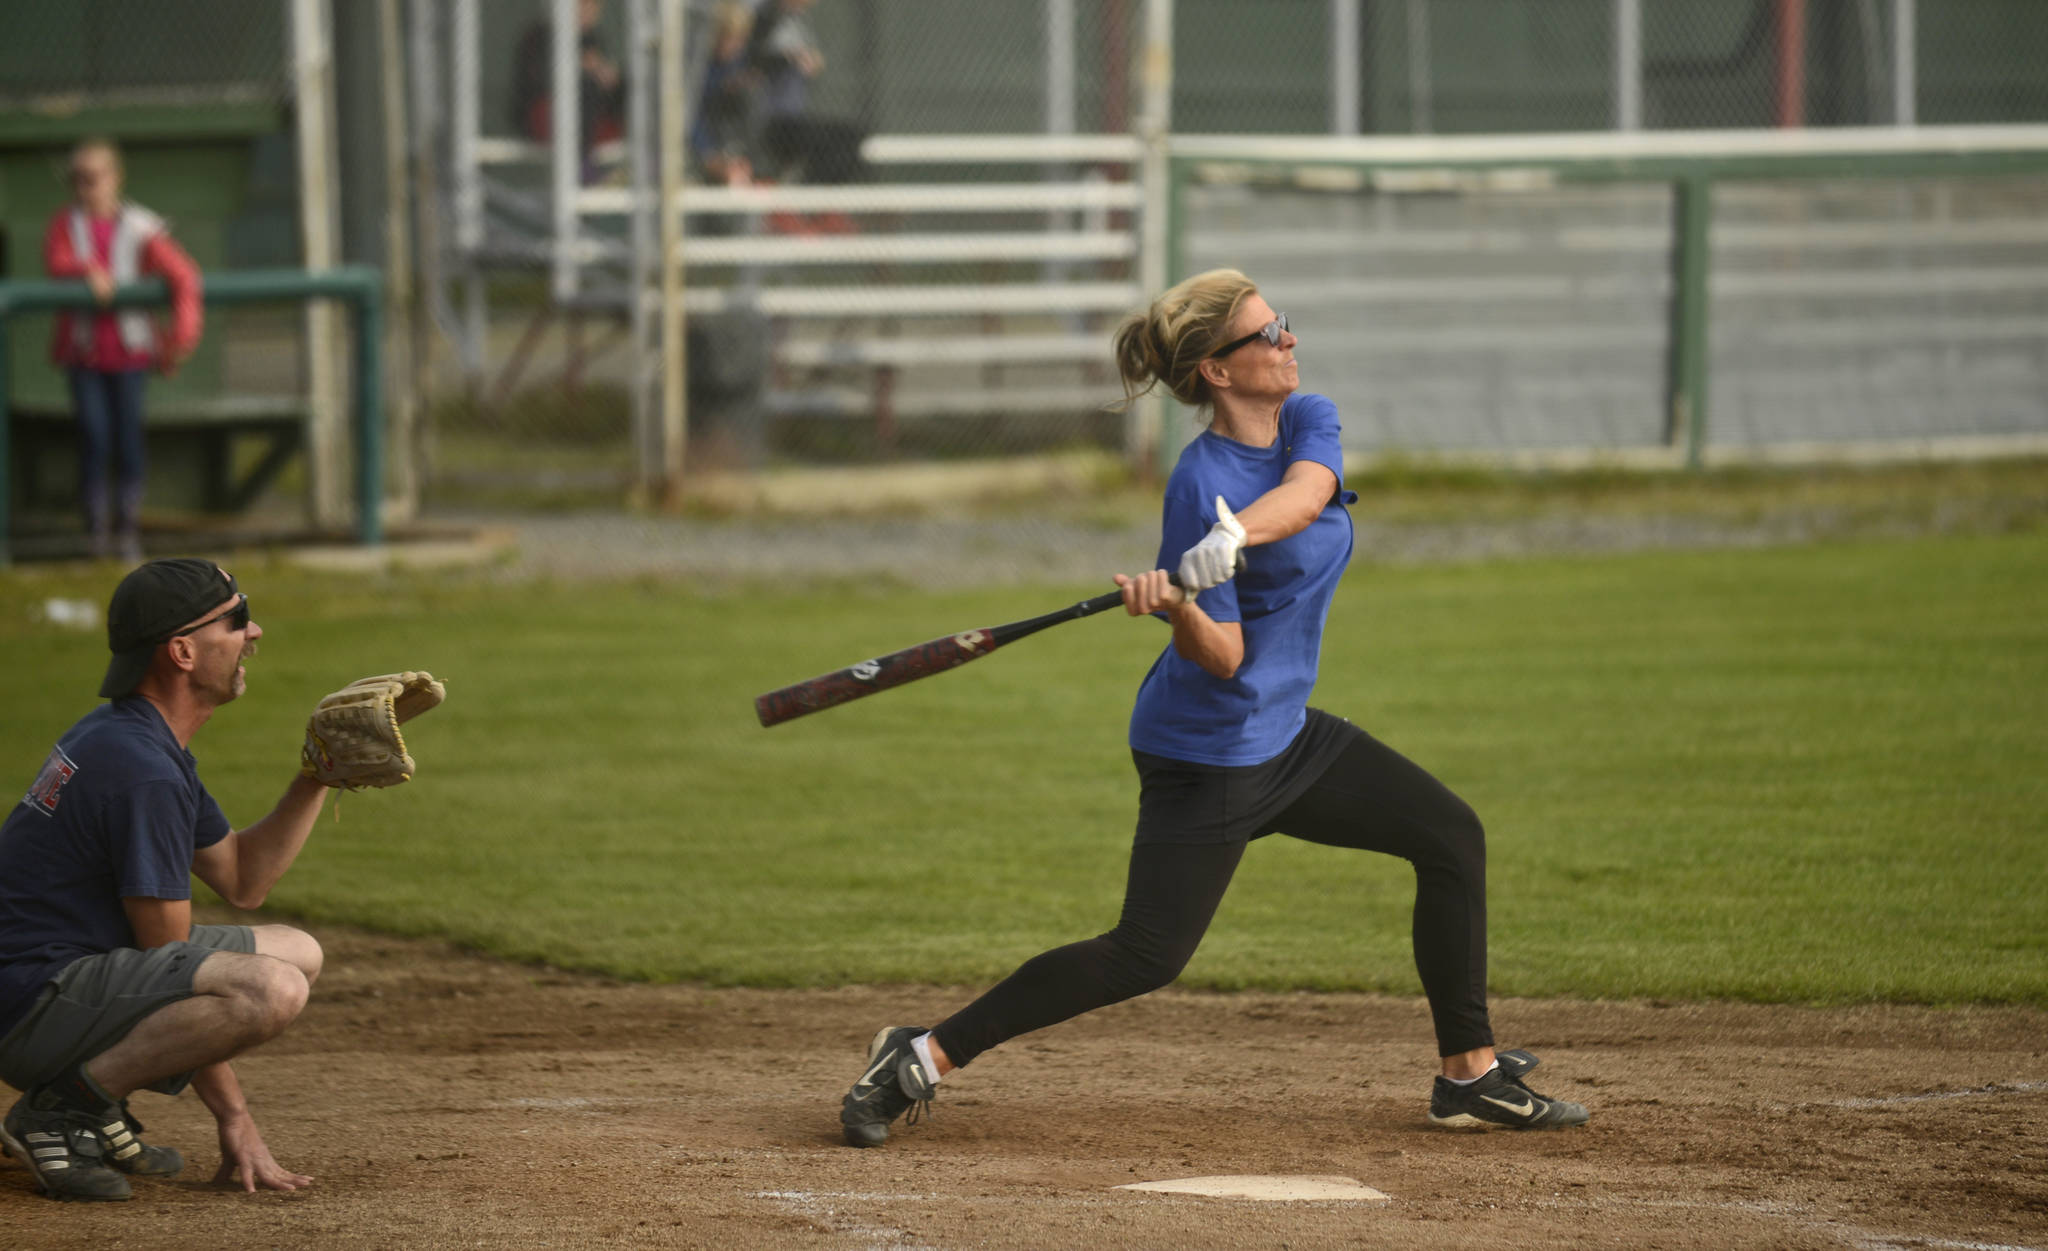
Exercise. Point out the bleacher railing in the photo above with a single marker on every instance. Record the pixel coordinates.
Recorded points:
(358, 287)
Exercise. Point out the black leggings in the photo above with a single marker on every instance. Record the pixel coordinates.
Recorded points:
(1373, 799)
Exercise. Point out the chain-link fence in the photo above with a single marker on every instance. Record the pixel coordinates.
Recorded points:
(62, 57)
(861, 291)
(907, 225)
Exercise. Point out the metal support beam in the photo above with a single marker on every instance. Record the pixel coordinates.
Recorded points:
(1146, 419)
(1346, 78)
(643, 32)
(464, 51)
(398, 191)
(1421, 83)
(565, 134)
(1791, 80)
(674, 123)
(1628, 64)
(1692, 208)
(1905, 63)
(1059, 67)
(320, 248)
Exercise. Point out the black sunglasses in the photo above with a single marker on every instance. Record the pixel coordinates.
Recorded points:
(1270, 332)
(236, 617)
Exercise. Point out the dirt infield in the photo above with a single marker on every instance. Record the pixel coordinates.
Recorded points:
(444, 1100)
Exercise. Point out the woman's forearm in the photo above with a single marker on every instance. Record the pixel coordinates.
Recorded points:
(1217, 646)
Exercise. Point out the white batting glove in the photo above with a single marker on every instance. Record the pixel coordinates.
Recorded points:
(1213, 561)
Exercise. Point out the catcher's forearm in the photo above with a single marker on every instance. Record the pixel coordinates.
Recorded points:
(220, 1090)
(264, 850)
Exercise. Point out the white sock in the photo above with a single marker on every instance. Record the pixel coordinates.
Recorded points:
(1467, 1081)
(922, 1045)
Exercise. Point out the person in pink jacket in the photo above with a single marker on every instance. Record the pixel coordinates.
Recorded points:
(107, 241)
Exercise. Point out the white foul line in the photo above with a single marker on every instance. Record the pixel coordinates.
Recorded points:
(1995, 1088)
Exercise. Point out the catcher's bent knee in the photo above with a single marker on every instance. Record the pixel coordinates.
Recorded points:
(292, 945)
(271, 992)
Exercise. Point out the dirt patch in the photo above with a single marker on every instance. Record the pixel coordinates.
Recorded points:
(445, 1100)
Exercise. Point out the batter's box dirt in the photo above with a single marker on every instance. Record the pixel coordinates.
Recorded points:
(444, 1100)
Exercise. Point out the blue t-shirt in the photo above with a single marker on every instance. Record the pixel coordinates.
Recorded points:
(1280, 600)
(117, 811)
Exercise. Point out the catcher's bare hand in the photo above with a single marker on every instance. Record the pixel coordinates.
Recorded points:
(352, 738)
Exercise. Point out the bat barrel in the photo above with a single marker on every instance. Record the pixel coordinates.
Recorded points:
(829, 690)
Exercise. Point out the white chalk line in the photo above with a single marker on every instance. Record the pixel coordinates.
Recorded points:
(812, 1204)
(1975, 1092)
(1856, 1236)
(579, 1103)
(815, 1204)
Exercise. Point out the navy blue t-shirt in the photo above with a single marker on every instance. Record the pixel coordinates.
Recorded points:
(117, 811)
(1281, 599)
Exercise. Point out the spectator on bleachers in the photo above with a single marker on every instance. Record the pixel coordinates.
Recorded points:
(800, 145)
(601, 88)
(728, 115)
(108, 242)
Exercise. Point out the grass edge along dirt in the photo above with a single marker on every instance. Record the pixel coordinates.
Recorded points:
(1801, 774)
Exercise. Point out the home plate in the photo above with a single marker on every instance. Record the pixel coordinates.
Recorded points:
(1257, 1187)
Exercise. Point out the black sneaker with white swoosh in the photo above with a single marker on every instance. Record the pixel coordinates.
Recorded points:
(894, 1082)
(1501, 1100)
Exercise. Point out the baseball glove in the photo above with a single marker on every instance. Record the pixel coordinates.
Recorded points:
(352, 738)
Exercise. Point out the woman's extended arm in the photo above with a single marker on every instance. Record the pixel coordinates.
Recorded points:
(1304, 490)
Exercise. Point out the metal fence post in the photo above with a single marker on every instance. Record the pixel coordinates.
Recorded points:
(1693, 198)
(1144, 423)
(369, 410)
(6, 449)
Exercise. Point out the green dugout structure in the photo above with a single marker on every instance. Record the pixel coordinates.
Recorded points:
(359, 288)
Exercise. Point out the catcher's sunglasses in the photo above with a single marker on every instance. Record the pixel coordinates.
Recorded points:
(236, 617)
(1270, 332)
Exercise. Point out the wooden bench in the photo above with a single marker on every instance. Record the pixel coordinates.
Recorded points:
(198, 452)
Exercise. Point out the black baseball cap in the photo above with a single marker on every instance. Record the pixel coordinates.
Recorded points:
(149, 606)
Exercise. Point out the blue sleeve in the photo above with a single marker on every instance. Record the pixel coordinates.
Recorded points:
(212, 825)
(150, 829)
(1189, 517)
(1315, 434)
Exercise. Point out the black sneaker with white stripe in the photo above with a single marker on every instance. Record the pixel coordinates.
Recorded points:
(895, 1082)
(126, 1150)
(1501, 1100)
(63, 1146)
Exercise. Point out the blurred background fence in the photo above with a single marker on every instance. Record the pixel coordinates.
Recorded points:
(900, 229)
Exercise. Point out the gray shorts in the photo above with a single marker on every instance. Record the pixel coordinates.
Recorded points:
(96, 1000)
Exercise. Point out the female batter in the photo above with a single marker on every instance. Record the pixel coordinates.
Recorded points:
(1227, 748)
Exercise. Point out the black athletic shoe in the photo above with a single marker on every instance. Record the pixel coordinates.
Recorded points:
(63, 1147)
(1501, 1100)
(126, 1150)
(895, 1082)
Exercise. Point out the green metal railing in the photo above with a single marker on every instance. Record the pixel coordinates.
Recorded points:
(359, 287)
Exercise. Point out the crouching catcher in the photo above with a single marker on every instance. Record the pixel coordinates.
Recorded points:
(106, 985)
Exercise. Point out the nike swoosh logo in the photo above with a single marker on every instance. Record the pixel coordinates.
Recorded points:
(1524, 1109)
(868, 1078)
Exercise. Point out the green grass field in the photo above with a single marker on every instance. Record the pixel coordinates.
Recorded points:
(1801, 774)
